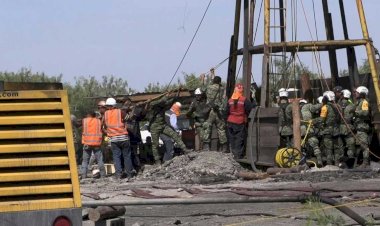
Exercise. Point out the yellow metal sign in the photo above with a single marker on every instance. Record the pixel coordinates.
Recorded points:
(37, 158)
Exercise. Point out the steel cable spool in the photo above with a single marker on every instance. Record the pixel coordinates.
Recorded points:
(288, 157)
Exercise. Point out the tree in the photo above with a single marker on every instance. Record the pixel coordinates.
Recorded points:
(87, 90)
(26, 75)
(364, 68)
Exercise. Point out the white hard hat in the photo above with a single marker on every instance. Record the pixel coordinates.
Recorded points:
(303, 101)
(362, 89)
(178, 104)
(101, 103)
(73, 118)
(319, 99)
(111, 101)
(198, 91)
(346, 93)
(283, 93)
(330, 95)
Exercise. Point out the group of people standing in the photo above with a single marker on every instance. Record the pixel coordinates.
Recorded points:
(121, 127)
(229, 116)
(335, 129)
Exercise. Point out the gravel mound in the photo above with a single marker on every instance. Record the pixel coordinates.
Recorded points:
(198, 167)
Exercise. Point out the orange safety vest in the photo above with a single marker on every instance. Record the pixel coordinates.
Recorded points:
(92, 132)
(114, 123)
(237, 112)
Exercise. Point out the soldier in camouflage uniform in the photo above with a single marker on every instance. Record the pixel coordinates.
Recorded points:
(285, 118)
(337, 139)
(158, 125)
(362, 120)
(327, 121)
(347, 127)
(215, 102)
(198, 111)
(307, 112)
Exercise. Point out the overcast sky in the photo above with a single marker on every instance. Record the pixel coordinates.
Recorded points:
(140, 41)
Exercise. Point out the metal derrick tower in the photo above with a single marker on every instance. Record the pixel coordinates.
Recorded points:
(263, 139)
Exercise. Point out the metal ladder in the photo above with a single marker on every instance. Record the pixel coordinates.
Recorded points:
(274, 75)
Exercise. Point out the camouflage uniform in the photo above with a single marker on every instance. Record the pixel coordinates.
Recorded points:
(286, 122)
(215, 101)
(198, 111)
(327, 120)
(346, 127)
(158, 125)
(362, 118)
(307, 112)
(337, 139)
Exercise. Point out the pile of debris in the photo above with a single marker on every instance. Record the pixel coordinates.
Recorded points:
(197, 167)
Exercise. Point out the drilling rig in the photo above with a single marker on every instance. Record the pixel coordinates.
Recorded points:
(281, 47)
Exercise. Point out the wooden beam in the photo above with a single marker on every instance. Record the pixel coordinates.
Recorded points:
(305, 46)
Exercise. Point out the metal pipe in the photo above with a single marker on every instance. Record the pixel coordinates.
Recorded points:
(175, 201)
(246, 71)
(330, 36)
(250, 44)
(233, 49)
(370, 52)
(264, 82)
(301, 198)
(266, 22)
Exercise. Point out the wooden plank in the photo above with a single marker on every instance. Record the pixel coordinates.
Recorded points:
(35, 176)
(33, 190)
(38, 133)
(35, 94)
(36, 106)
(43, 147)
(34, 119)
(42, 204)
(26, 162)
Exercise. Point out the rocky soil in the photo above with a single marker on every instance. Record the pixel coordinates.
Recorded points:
(198, 168)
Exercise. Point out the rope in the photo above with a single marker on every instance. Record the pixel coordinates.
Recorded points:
(310, 123)
(191, 42)
(304, 212)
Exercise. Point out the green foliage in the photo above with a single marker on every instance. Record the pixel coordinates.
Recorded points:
(82, 95)
(364, 68)
(318, 216)
(26, 75)
(288, 71)
(192, 81)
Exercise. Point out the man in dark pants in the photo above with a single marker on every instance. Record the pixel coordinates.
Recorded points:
(113, 122)
(92, 141)
(158, 126)
(134, 114)
(198, 111)
(238, 109)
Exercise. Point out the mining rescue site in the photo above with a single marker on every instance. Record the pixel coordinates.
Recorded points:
(276, 182)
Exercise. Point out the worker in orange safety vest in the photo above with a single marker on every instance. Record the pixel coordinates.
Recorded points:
(116, 130)
(92, 141)
(238, 109)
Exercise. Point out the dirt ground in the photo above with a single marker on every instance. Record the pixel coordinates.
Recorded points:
(358, 190)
